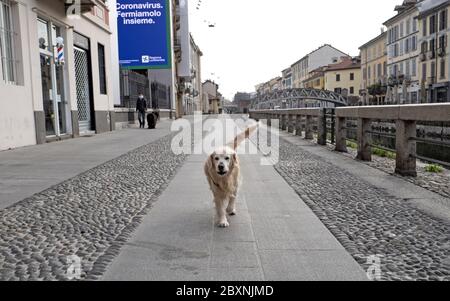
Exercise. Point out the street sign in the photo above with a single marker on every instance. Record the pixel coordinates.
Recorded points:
(144, 34)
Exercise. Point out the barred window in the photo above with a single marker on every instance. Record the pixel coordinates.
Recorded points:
(8, 63)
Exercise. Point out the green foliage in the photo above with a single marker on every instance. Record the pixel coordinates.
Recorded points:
(352, 145)
(434, 168)
(383, 153)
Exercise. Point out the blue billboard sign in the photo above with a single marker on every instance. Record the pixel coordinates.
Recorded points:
(144, 34)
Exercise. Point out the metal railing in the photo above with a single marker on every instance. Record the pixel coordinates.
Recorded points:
(366, 125)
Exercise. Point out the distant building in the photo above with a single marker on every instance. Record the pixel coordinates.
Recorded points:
(316, 79)
(243, 101)
(434, 68)
(322, 56)
(374, 71)
(402, 54)
(345, 78)
(286, 76)
(211, 97)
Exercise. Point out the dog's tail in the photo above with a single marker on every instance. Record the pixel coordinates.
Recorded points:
(241, 137)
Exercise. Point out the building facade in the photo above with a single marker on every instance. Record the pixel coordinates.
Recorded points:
(286, 76)
(54, 80)
(403, 54)
(434, 68)
(320, 57)
(211, 97)
(345, 78)
(374, 71)
(316, 79)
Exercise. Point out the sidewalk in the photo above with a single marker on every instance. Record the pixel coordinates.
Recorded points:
(29, 170)
(275, 236)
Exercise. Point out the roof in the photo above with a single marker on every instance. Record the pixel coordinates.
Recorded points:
(326, 45)
(347, 63)
(428, 6)
(379, 37)
(407, 7)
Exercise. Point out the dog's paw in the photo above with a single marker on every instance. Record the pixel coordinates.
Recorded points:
(223, 224)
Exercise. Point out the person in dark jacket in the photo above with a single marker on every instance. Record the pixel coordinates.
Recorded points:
(141, 108)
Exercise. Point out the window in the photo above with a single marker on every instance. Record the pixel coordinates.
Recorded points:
(413, 67)
(337, 90)
(413, 43)
(102, 69)
(368, 72)
(414, 23)
(365, 73)
(442, 69)
(424, 47)
(352, 90)
(433, 24)
(352, 76)
(443, 20)
(424, 72)
(442, 42)
(407, 68)
(432, 45)
(433, 69)
(338, 77)
(379, 70)
(408, 26)
(424, 29)
(407, 45)
(401, 29)
(8, 62)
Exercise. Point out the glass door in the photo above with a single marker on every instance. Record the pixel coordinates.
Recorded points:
(52, 75)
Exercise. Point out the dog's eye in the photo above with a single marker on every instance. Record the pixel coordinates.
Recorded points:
(217, 158)
(227, 158)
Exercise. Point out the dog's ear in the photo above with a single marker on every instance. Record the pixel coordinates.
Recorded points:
(210, 161)
(235, 161)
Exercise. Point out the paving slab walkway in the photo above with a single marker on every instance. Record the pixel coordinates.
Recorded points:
(275, 236)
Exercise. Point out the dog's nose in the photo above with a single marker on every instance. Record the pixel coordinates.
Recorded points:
(221, 166)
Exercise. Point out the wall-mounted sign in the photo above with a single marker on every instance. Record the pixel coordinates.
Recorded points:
(144, 34)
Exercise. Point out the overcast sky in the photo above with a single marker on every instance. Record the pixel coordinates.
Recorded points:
(254, 40)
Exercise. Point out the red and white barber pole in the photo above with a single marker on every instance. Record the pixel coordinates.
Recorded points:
(60, 51)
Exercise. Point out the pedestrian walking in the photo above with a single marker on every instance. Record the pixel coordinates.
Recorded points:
(141, 108)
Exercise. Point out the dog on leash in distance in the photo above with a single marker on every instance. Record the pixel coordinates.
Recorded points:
(222, 170)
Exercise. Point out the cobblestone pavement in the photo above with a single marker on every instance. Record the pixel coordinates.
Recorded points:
(367, 221)
(436, 182)
(89, 216)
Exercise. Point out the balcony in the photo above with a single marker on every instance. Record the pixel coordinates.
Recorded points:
(422, 57)
(431, 80)
(432, 55)
(86, 5)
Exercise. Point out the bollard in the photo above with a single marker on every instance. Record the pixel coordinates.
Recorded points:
(406, 148)
(309, 128)
(364, 148)
(283, 122)
(341, 135)
(290, 123)
(298, 125)
(322, 128)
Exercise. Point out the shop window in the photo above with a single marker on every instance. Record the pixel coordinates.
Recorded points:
(7, 50)
(102, 69)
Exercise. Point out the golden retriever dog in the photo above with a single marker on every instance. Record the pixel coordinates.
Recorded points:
(222, 170)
